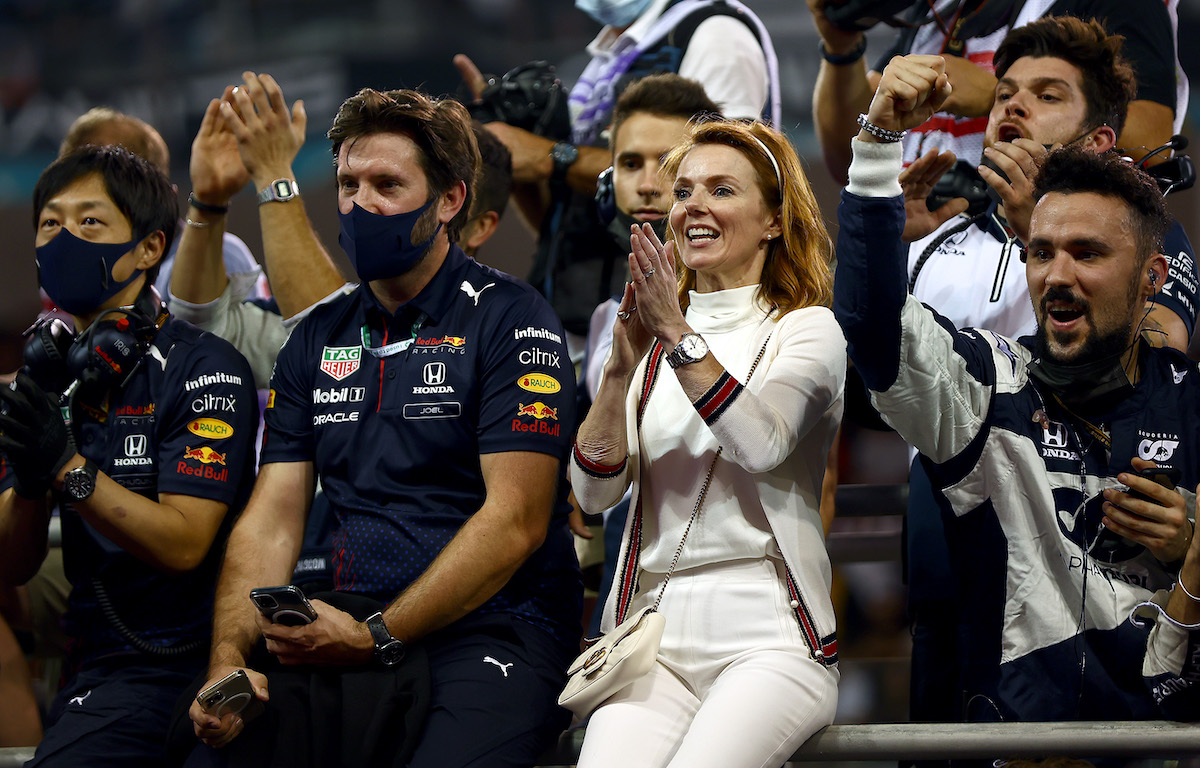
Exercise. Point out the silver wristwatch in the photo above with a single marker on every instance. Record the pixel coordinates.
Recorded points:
(279, 191)
(692, 348)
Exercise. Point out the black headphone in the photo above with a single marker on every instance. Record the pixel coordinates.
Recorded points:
(106, 354)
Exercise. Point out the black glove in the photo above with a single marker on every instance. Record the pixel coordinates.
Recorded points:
(33, 436)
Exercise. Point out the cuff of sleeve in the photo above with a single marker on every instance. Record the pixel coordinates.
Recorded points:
(296, 318)
(719, 396)
(875, 169)
(205, 315)
(595, 468)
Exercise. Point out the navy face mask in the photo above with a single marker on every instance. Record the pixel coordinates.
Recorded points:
(77, 274)
(381, 247)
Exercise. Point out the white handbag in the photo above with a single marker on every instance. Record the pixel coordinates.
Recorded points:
(624, 654)
(616, 660)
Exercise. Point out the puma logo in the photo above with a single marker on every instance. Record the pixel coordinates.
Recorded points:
(469, 289)
(490, 660)
(79, 699)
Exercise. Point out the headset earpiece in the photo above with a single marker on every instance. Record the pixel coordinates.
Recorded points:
(606, 197)
(45, 354)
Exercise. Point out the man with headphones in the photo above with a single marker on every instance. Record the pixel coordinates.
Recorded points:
(1053, 459)
(140, 429)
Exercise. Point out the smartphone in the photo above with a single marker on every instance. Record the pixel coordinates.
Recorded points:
(1167, 477)
(232, 694)
(284, 605)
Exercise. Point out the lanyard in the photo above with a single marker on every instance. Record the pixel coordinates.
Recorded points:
(387, 350)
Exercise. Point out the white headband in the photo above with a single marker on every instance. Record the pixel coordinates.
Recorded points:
(774, 162)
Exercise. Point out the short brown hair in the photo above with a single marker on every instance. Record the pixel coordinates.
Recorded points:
(1106, 76)
(1070, 170)
(441, 129)
(102, 126)
(797, 270)
(665, 95)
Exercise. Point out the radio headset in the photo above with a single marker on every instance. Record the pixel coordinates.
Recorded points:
(104, 356)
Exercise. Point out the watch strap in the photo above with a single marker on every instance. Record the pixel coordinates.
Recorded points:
(389, 651)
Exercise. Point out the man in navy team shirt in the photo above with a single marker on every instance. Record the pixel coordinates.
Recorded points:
(434, 403)
(154, 453)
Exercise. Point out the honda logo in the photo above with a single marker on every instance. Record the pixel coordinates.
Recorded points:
(434, 374)
(135, 445)
(1054, 435)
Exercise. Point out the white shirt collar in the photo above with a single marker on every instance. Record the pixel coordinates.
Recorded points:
(604, 42)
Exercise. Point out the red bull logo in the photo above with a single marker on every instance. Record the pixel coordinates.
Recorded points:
(204, 455)
(207, 457)
(537, 410)
(457, 342)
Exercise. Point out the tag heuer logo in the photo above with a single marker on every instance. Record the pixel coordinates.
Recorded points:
(340, 362)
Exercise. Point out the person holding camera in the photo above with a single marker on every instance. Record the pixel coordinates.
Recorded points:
(966, 34)
(718, 405)
(1054, 459)
(147, 452)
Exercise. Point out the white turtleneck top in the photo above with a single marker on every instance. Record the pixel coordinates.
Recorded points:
(776, 434)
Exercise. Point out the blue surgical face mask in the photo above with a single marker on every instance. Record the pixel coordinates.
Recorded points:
(77, 274)
(381, 247)
(614, 13)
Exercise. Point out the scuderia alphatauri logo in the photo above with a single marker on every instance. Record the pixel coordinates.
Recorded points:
(1158, 447)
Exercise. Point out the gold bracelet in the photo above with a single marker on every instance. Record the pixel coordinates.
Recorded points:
(198, 224)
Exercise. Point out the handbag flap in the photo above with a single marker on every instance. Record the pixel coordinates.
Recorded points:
(596, 655)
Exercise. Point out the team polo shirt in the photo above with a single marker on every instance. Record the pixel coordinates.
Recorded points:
(474, 364)
(185, 423)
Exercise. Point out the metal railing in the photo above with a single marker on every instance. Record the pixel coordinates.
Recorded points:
(921, 741)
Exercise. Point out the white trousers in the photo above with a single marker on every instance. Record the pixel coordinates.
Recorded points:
(734, 685)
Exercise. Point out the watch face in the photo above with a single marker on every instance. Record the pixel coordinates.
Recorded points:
(392, 653)
(283, 189)
(694, 346)
(78, 484)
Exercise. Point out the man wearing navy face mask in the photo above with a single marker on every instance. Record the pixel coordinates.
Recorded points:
(163, 418)
(434, 404)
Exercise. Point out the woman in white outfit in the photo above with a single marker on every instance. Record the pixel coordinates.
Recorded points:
(747, 667)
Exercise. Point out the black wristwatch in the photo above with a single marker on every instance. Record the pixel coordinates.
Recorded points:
(564, 156)
(388, 650)
(80, 483)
